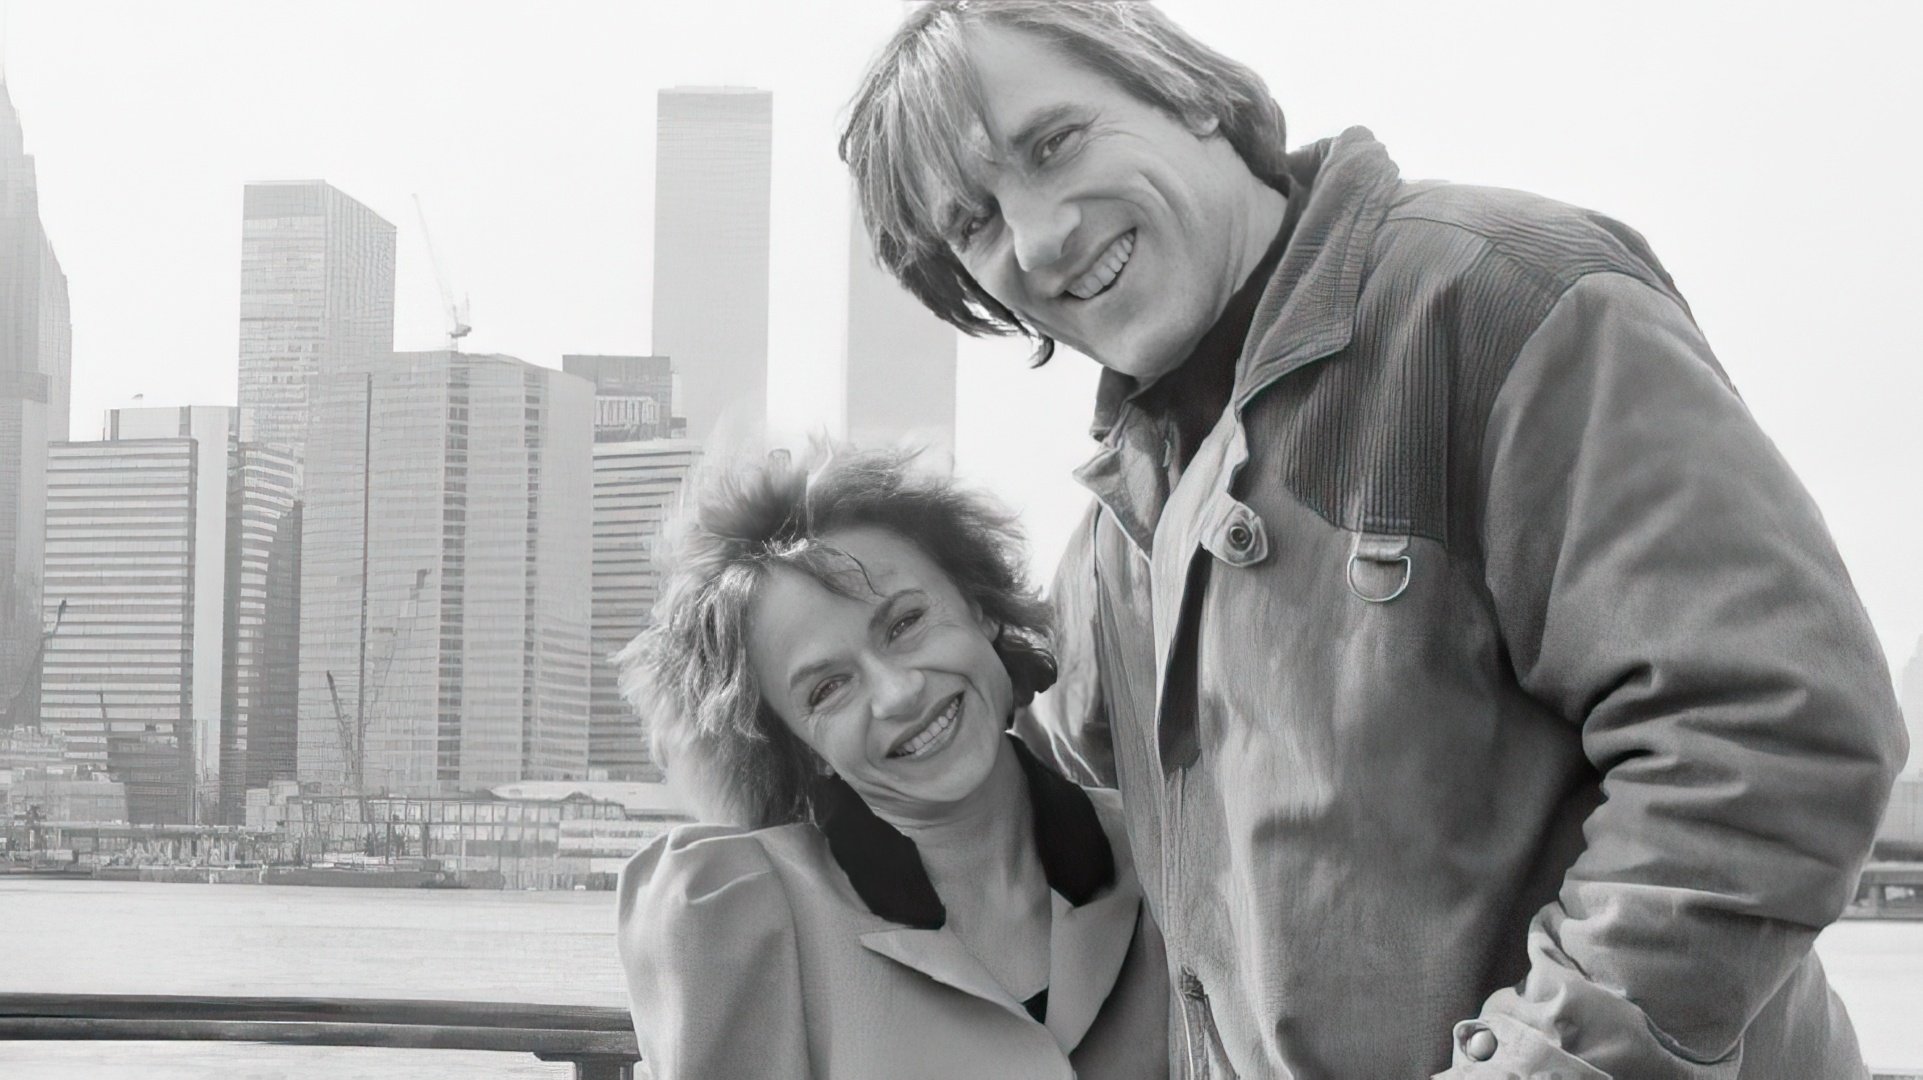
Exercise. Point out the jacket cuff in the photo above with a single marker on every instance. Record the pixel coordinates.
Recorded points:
(1503, 1048)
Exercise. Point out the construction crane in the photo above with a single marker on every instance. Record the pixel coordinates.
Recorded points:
(353, 730)
(30, 681)
(457, 325)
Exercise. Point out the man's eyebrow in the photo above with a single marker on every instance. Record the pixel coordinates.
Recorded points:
(954, 211)
(1038, 123)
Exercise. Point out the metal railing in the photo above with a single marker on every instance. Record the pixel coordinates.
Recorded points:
(598, 1042)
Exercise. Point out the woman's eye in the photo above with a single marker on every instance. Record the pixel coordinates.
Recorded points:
(904, 624)
(823, 690)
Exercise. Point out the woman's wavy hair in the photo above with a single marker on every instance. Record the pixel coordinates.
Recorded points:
(912, 138)
(688, 674)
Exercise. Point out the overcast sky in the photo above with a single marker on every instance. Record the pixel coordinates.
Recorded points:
(1769, 154)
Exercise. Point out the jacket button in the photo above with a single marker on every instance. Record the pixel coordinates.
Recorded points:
(1480, 1044)
(1240, 537)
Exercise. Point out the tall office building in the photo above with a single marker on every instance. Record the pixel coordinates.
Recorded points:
(212, 431)
(260, 672)
(711, 206)
(445, 572)
(901, 359)
(637, 486)
(36, 353)
(316, 293)
(633, 395)
(119, 678)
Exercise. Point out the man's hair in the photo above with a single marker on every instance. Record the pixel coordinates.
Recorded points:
(908, 141)
(688, 673)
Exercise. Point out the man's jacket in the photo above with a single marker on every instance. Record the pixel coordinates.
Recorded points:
(1486, 695)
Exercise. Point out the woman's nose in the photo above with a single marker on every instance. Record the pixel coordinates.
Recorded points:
(896, 688)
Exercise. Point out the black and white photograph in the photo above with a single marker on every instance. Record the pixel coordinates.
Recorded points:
(960, 540)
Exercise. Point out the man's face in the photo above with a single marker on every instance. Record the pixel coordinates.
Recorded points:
(1100, 220)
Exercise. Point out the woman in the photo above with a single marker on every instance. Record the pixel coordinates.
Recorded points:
(909, 893)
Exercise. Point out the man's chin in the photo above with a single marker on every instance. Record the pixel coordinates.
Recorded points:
(1145, 370)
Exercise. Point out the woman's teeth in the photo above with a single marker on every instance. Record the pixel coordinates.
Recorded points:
(935, 730)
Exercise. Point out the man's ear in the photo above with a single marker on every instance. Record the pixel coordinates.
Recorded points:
(1204, 126)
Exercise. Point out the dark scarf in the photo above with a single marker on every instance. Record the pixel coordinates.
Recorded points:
(886, 868)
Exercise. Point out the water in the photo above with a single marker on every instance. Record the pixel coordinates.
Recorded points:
(132, 937)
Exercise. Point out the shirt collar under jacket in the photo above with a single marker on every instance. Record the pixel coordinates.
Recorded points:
(885, 867)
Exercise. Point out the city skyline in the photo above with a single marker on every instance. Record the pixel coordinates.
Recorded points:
(553, 246)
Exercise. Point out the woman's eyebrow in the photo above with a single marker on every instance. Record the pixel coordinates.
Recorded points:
(877, 623)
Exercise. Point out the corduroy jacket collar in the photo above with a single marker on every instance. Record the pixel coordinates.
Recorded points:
(1306, 313)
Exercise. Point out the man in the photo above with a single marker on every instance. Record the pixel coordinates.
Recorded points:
(1485, 693)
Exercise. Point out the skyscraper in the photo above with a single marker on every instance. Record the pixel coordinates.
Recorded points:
(36, 352)
(445, 568)
(711, 206)
(261, 669)
(316, 293)
(633, 395)
(637, 486)
(212, 431)
(901, 359)
(119, 679)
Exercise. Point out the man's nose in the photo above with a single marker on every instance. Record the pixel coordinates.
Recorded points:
(895, 688)
(1040, 225)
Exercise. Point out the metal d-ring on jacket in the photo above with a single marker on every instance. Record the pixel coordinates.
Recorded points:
(1486, 695)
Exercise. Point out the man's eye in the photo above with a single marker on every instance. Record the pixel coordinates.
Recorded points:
(973, 225)
(904, 624)
(1052, 145)
(823, 690)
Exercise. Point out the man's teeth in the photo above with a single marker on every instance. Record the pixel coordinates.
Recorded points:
(1103, 274)
(933, 731)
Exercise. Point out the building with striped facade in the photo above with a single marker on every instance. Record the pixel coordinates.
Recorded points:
(637, 487)
(445, 574)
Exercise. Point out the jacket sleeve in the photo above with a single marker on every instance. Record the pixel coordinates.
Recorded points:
(1664, 582)
(707, 942)
(1067, 724)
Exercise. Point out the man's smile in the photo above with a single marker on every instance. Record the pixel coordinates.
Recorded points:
(1108, 267)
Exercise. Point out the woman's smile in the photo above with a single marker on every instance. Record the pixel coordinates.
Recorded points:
(932, 737)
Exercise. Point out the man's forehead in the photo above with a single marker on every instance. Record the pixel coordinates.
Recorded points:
(1008, 91)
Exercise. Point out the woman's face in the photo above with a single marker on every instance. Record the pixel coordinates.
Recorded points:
(897, 687)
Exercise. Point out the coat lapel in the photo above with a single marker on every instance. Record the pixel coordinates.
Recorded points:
(1086, 947)
(941, 956)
